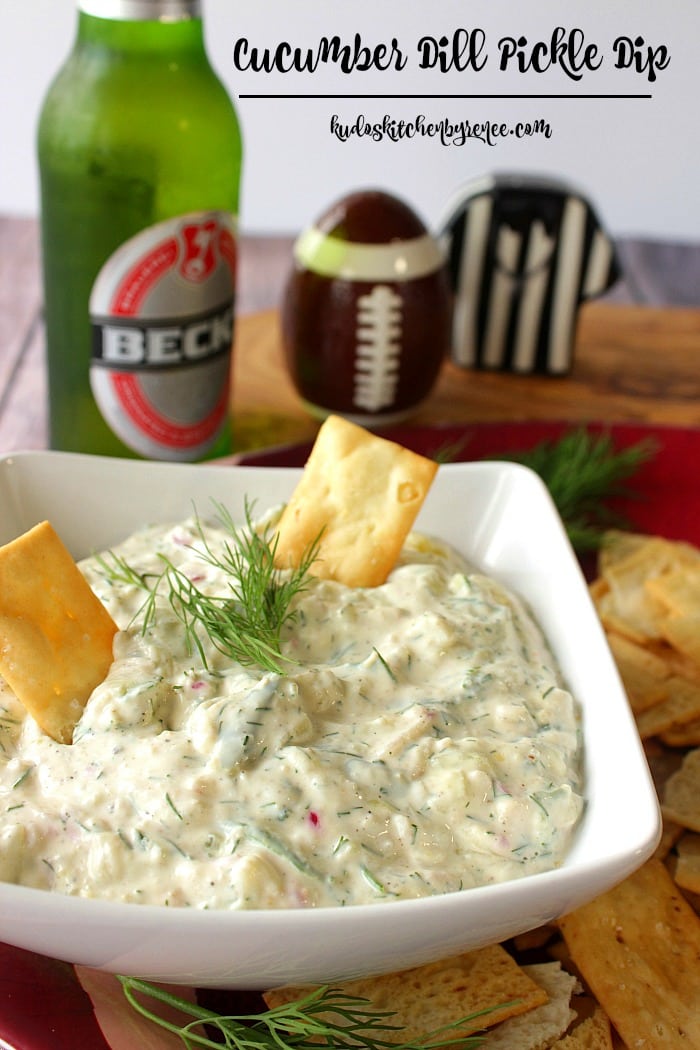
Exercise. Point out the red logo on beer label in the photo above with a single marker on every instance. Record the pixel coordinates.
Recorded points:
(200, 244)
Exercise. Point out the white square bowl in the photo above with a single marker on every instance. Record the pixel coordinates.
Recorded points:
(500, 516)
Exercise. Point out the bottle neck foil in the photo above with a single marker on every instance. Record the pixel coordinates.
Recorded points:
(142, 10)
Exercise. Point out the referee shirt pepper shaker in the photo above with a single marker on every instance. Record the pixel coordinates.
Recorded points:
(524, 253)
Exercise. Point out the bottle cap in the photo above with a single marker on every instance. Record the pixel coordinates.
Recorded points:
(142, 10)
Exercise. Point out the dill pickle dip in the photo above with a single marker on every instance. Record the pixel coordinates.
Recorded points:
(418, 740)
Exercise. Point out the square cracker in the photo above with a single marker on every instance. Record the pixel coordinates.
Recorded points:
(678, 590)
(683, 633)
(680, 705)
(685, 735)
(360, 493)
(686, 865)
(592, 1034)
(55, 634)
(426, 998)
(633, 570)
(644, 672)
(682, 791)
(637, 947)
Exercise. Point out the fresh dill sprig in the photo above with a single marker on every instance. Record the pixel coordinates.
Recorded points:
(324, 1017)
(246, 622)
(582, 472)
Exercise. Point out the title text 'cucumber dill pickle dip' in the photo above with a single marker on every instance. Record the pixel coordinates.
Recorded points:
(418, 741)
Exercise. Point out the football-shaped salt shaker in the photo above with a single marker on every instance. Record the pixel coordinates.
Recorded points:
(366, 311)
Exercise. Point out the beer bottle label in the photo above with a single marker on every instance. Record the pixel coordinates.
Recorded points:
(161, 311)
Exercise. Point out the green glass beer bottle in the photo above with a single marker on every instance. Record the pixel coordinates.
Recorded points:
(140, 152)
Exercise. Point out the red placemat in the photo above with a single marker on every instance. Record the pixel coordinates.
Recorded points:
(42, 1005)
(666, 488)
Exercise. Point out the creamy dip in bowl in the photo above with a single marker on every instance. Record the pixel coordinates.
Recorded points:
(424, 778)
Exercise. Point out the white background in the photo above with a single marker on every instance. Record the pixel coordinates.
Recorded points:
(638, 160)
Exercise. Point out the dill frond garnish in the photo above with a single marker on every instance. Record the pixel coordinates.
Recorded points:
(325, 1017)
(245, 623)
(583, 471)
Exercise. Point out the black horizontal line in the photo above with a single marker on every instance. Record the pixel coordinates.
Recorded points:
(428, 97)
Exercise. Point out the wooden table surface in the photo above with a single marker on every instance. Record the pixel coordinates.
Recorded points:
(639, 364)
(633, 362)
